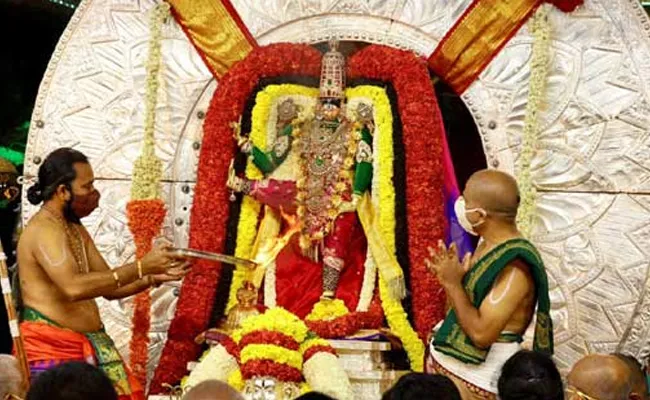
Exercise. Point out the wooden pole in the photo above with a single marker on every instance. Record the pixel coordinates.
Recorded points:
(19, 349)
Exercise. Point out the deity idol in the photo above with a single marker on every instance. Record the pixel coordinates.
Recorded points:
(335, 170)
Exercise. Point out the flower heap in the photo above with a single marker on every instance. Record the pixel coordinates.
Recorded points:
(541, 30)
(274, 352)
(145, 210)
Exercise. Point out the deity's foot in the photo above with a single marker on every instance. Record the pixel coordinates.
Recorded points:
(327, 295)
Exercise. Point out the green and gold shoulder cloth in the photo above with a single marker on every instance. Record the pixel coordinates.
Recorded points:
(450, 338)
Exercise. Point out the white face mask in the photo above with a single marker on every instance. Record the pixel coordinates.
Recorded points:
(461, 214)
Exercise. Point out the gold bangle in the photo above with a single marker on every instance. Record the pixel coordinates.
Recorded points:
(117, 279)
(139, 269)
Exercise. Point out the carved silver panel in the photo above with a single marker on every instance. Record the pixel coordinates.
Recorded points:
(592, 167)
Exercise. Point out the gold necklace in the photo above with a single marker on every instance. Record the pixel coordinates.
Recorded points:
(74, 240)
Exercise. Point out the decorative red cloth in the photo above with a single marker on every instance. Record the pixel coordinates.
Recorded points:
(276, 194)
(299, 280)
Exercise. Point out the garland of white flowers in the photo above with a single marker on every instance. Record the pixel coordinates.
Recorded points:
(147, 169)
(539, 62)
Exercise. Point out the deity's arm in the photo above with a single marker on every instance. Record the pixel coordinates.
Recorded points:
(483, 325)
(363, 170)
(268, 161)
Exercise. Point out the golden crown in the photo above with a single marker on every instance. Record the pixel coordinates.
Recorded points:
(332, 73)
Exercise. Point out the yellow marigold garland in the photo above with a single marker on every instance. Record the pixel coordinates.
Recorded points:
(327, 310)
(312, 342)
(304, 388)
(274, 320)
(250, 209)
(236, 380)
(393, 310)
(539, 61)
(273, 353)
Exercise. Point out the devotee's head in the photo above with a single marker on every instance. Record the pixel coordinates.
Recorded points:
(418, 386)
(530, 375)
(212, 390)
(490, 199)
(314, 396)
(65, 181)
(72, 381)
(10, 377)
(598, 376)
(638, 382)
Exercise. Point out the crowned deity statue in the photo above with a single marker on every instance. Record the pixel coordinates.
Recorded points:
(333, 169)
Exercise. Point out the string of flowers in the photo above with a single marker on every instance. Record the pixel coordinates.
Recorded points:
(539, 61)
(145, 210)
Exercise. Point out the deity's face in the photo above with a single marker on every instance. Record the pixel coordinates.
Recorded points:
(330, 111)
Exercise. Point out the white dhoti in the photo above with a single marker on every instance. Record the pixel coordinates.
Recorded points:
(483, 376)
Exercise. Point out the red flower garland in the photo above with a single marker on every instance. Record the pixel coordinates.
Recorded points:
(268, 337)
(349, 324)
(422, 132)
(145, 219)
(312, 351)
(226, 341)
(211, 205)
(281, 372)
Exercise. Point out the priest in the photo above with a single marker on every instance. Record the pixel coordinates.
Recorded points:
(493, 293)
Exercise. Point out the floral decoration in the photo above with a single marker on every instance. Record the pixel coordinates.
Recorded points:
(236, 380)
(350, 323)
(539, 62)
(334, 383)
(327, 310)
(275, 320)
(216, 363)
(281, 372)
(267, 337)
(273, 353)
(145, 210)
